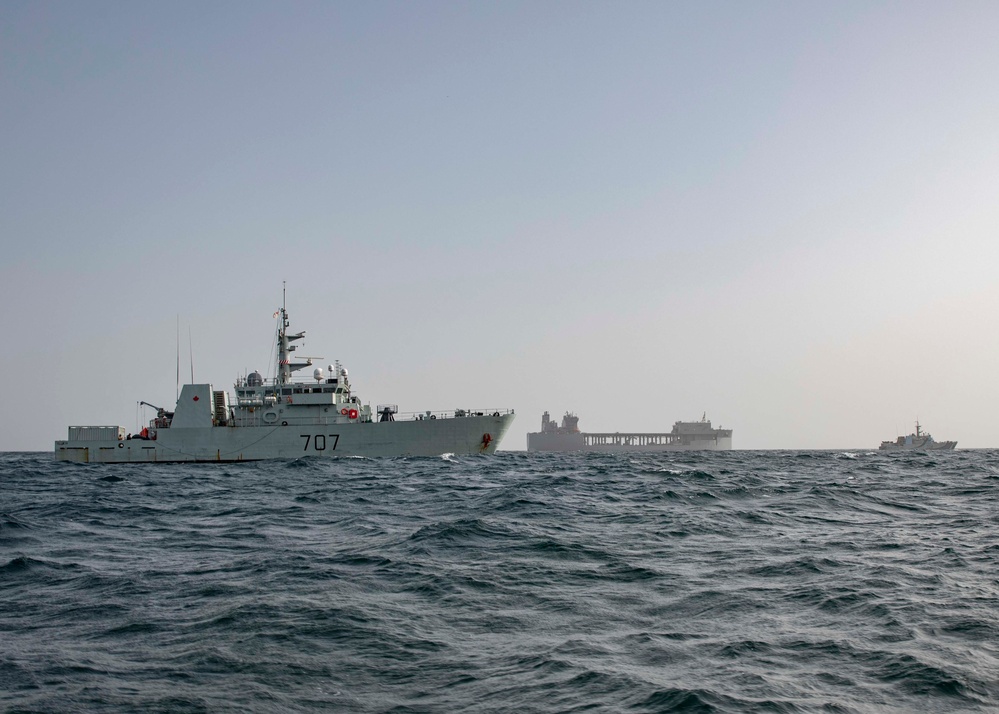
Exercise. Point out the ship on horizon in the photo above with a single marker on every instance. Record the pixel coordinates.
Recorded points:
(685, 436)
(286, 417)
(920, 441)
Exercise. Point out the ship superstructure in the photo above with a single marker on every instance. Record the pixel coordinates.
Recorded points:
(685, 436)
(286, 417)
(920, 441)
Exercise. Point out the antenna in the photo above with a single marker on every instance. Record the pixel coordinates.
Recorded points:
(178, 357)
(190, 345)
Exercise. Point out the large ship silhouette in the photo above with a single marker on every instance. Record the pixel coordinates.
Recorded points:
(685, 436)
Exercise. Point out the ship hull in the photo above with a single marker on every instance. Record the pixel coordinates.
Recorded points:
(418, 437)
(613, 443)
(935, 446)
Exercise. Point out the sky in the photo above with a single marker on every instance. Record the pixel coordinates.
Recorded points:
(782, 215)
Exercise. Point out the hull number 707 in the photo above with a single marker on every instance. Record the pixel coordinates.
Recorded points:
(319, 442)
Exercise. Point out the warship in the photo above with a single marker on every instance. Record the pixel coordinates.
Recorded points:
(685, 436)
(920, 441)
(286, 417)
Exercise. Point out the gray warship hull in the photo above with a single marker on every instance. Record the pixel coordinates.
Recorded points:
(939, 446)
(417, 437)
(919, 441)
(918, 445)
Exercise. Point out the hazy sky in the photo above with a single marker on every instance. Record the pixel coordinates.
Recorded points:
(783, 214)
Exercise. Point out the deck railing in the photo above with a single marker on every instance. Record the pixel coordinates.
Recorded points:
(256, 418)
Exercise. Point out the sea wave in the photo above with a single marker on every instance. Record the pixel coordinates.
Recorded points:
(695, 582)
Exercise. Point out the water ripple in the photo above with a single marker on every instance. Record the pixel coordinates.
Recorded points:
(715, 582)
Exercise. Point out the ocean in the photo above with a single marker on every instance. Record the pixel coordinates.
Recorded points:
(780, 581)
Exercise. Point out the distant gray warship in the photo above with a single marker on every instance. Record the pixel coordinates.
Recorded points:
(685, 436)
(286, 418)
(920, 441)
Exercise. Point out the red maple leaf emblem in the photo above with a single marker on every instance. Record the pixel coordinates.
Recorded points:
(195, 397)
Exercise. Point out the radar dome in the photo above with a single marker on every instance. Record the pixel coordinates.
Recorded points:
(317, 374)
(254, 380)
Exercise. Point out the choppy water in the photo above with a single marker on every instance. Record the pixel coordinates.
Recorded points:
(728, 582)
